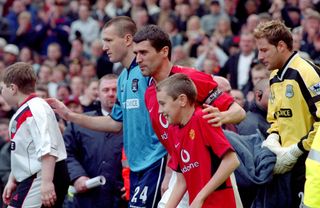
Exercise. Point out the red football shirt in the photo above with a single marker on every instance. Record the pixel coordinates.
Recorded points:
(204, 84)
(198, 150)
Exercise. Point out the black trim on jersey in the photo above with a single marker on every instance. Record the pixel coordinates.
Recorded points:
(292, 74)
(315, 67)
(215, 163)
(279, 73)
(21, 113)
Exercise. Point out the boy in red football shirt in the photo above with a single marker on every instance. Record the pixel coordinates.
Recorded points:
(202, 155)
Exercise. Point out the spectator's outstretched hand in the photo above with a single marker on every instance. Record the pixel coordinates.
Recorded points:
(59, 107)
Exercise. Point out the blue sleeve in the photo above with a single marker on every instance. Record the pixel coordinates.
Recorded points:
(117, 113)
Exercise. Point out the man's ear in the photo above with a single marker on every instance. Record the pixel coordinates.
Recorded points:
(128, 39)
(165, 51)
(183, 100)
(281, 46)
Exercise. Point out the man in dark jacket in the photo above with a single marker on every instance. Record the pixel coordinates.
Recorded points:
(93, 153)
(257, 115)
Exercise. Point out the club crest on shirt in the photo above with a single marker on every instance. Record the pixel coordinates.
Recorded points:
(289, 91)
(192, 134)
(315, 88)
(134, 85)
(13, 127)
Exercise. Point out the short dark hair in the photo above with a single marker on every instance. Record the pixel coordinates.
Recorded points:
(178, 84)
(125, 25)
(156, 36)
(22, 75)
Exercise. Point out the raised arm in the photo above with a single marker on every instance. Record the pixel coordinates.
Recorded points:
(97, 123)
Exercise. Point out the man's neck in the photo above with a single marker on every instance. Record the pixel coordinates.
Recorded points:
(126, 62)
(163, 71)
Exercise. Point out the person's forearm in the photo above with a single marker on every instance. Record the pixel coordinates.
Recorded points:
(234, 115)
(97, 123)
(177, 193)
(228, 164)
(48, 165)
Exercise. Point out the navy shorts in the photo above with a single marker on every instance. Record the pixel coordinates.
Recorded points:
(28, 193)
(145, 185)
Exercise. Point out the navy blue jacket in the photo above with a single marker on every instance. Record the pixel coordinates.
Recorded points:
(93, 153)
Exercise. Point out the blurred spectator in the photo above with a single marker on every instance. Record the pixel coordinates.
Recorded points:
(197, 8)
(183, 15)
(53, 27)
(315, 54)
(63, 91)
(88, 72)
(4, 28)
(26, 55)
(258, 72)
(77, 86)
(90, 95)
(152, 7)
(171, 29)
(54, 55)
(141, 17)
(4, 155)
(180, 57)
(77, 50)
(135, 6)
(238, 97)
(311, 27)
(223, 34)
(42, 91)
(257, 114)
(86, 26)
(164, 14)
(12, 17)
(73, 103)
(44, 75)
(209, 22)
(237, 67)
(11, 53)
(74, 68)
(194, 34)
(3, 43)
(73, 9)
(25, 34)
(117, 8)
(99, 14)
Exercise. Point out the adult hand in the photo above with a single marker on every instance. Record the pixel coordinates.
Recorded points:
(212, 114)
(80, 184)
(59, 107)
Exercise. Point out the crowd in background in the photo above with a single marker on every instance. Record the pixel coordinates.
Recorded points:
(61, 39)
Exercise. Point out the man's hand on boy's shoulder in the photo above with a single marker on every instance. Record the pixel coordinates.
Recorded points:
(59, 107)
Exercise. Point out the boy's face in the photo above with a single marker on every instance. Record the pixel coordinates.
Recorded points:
(168, 107)
(7, 93)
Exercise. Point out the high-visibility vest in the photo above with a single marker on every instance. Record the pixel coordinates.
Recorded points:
(312, 185)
